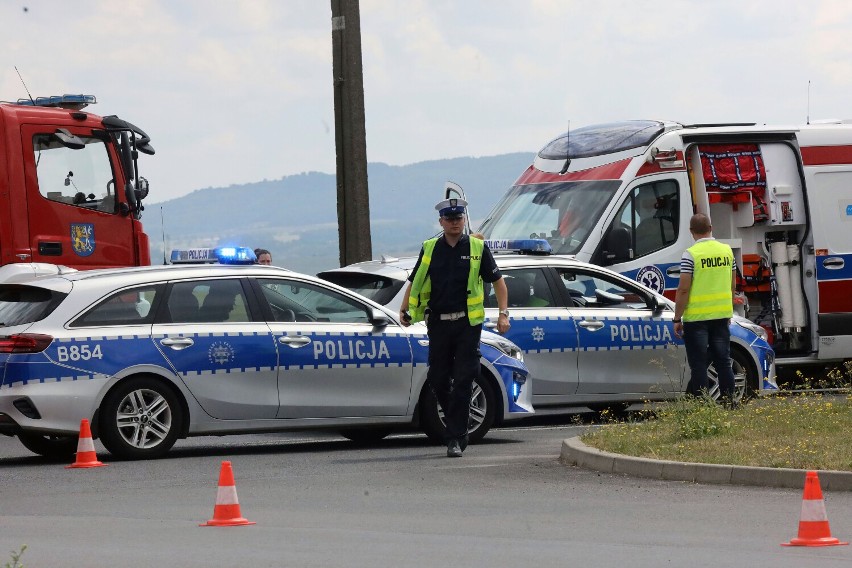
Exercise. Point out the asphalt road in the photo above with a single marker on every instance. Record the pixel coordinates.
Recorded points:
(320, 501)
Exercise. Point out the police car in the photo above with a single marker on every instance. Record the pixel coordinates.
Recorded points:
(590, 336)
(153, 354)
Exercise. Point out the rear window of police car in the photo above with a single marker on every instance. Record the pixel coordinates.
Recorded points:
(380, 289)
(20, 305)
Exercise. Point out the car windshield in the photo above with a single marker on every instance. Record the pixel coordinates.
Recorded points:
(20, 305)
(563, 213)
(380, 289)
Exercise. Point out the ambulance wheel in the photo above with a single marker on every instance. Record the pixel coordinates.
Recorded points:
(365, 435)
(48, 445)
(483, 409)
(140, 419)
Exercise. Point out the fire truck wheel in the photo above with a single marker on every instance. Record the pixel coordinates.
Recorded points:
(140, 418)
(49, 446)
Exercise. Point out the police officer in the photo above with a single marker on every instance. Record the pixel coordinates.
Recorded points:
(263, 256)
(446, 289)
(704, 307)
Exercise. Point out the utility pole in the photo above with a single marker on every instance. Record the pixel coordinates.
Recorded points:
(350, 135)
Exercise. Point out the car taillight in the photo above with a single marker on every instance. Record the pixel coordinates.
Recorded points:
(24, 343)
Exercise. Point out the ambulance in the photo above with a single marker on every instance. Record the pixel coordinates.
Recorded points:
(620, 195)
(70, 190)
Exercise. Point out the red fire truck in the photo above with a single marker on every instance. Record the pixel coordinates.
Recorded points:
(70, 190)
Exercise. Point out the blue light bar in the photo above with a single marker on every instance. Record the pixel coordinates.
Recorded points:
(71, 102)
(220, 255)
(523, 246)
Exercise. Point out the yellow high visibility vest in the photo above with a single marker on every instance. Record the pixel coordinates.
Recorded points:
(710, 295)
(421, 286)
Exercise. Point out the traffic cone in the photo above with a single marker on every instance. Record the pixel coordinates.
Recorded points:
(86, 456)
(226, 512)
(813, 523)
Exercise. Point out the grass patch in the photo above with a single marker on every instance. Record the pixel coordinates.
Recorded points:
(808, 431)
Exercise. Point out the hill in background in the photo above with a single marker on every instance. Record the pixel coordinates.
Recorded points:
(295, 217)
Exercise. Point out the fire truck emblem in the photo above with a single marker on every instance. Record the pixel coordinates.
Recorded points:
(220, 352)
(538, 333)
(652, 277)
(83, 238)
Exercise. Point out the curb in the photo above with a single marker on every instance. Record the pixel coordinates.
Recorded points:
(574, 452)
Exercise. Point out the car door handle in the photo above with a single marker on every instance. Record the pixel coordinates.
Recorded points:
(833, 263)
(490, 325)
(591, 325)
(294, 341)
(423, 342)
(177, 343)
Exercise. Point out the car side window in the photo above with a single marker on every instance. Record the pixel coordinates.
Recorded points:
(127, 307)
(293, 300)
(593, 290)
(207, 301)
(650, 216)
(527, 288)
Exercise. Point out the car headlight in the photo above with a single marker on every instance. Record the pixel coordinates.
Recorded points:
(506, 347)
(754, 328)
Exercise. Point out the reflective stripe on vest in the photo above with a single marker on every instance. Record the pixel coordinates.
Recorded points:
(421, 286)
(710, 295)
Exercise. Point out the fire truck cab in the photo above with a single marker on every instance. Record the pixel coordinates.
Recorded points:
(70, 190)
(621, 195)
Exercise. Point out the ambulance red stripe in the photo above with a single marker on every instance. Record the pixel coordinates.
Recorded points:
(834, 296)
(608, 171)
(826, 155)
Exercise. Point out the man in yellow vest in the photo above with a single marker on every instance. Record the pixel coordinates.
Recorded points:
(446, 290)
(704, 305)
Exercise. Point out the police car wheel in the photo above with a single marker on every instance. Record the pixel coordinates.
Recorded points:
(140, 419)
(483, 405)
(745, 377)
(365, 435)
(49, 446)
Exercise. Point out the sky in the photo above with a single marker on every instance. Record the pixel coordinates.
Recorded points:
(235, 92)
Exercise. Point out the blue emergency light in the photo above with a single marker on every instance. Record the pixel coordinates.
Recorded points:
(220, 255)
(71, 102)
(522, 246)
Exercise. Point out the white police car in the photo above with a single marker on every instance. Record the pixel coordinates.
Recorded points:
(153, 354)
(591, 337)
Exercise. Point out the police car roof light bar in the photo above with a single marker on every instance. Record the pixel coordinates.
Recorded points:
(522, 246)
(70, 102)
(220, 255)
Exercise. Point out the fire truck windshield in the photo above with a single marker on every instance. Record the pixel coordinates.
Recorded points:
(564, 213)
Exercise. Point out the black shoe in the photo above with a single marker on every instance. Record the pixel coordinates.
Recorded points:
(453, 449)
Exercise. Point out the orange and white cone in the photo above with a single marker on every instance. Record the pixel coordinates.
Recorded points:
(226, 512)
(86, 456)
(813, 523)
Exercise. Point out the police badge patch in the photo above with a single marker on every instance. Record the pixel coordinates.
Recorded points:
(83, 238)
(652, 277)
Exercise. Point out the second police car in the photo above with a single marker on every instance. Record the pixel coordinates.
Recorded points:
(591, 337)
(153, 354)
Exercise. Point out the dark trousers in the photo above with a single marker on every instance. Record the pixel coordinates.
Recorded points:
(706, 341)
(453, 366)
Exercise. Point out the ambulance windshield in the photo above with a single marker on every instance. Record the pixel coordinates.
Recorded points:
(564, 213)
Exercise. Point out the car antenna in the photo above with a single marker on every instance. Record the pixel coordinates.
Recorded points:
(24, 84)
(567, 151)
(163, 227)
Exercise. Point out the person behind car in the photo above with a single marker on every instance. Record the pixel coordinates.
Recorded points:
(263, 256)
(704, 307)
(446, 290)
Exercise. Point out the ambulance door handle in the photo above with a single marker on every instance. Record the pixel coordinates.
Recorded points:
(833, 263)
(673, 270)
(177, 343)
(591, 325)
(294, 341)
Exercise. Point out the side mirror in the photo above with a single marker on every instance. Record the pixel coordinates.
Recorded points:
(379, 318)
(617, 246)
(654, 305)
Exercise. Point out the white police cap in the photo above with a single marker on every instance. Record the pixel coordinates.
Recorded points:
(451, 207)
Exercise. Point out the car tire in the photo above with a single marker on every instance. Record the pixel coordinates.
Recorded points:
(49, 446)
(365, 435)
(483, 409)
(745, 377)
(140, 419)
